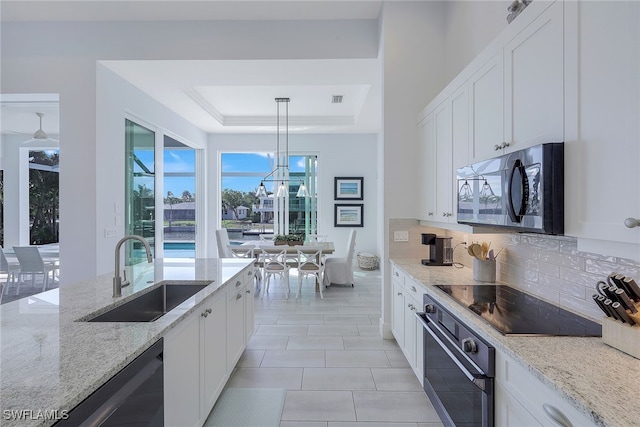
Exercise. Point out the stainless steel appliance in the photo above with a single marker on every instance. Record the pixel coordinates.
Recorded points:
(459, 369)
(132, 397)
(513, 312)
(523, 191)
(440, 251)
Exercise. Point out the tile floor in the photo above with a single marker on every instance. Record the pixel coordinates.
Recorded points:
(328, 356)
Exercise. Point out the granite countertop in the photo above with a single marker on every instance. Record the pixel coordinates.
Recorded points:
(596, 379)
(50, 361)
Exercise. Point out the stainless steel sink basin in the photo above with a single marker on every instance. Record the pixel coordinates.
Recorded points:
(150, 305)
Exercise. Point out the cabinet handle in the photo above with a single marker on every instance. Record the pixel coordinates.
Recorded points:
(204, 314)
(248, 291)
(430, 213)
(413, 288)
(238, 296)
(632, 222)
(396, 273)
(249, 273)
(496, 147)
(208, 310)
(556, 415)
(444, 214)
(238, 283)
(399, 293)
(501, 146)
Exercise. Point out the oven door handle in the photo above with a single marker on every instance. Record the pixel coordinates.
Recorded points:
(478, 380)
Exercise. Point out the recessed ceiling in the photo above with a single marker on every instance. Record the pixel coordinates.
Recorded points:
(239, 96)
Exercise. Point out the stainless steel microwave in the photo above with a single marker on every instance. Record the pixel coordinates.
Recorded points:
(522, 191)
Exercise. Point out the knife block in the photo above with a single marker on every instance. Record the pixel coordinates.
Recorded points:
(621, 336)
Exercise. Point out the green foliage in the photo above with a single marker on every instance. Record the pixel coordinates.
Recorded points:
(293, 237)
(231, 199)
(44, 199)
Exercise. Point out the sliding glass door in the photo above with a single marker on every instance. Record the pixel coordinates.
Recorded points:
(139, 190)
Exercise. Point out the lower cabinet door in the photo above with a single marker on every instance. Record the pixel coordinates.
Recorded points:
(509, 412)
(214, 360)
(249, 317)
(182, 403)
(235, 325)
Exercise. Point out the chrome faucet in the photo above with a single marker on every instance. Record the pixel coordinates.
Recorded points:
(118, 283)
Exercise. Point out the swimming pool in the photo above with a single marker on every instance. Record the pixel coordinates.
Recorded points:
(179, 249)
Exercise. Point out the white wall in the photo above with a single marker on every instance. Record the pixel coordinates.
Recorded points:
(412, 52)
(338, 155)
(115, 100)
(469, 27)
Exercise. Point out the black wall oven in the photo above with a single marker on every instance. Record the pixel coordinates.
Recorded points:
(459, 369)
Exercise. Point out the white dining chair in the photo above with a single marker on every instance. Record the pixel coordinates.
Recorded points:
(274, 262)
(316, 238)
(222, 240)
(309, 263)
(32, 264)
(247, 252)
(8, 268)
(266, 237)
(339, 270)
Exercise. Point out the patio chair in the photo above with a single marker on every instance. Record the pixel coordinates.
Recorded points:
(32, 264)
(9, 269)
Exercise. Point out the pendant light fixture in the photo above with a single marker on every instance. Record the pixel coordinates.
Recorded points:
(281, 171)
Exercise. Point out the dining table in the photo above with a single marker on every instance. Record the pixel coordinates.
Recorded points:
(327, 248)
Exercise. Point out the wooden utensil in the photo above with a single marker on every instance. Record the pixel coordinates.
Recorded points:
(477, 250)
(485, 249)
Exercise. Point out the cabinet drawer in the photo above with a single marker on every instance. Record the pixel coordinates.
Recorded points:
(543, 402)
(414, 290)
(397, 275)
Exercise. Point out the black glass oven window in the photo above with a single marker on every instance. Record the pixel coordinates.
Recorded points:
(449, 324)
(460, 398)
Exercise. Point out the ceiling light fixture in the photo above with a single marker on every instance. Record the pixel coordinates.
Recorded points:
(281, 171)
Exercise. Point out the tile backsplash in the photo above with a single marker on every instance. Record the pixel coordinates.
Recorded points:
(550, 267)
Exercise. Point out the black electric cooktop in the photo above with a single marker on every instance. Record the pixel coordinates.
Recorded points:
(513, 312)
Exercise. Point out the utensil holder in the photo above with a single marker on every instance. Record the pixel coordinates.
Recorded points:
(484, 270)
(621, 336)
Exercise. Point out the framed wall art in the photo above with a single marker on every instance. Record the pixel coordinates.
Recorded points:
(348, 215)
(348, 188)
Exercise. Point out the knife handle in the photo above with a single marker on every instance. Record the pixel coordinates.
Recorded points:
(607, 303)
(622, 313)
(600, 303)
(633, 287)
(626, 302)
(618, 279)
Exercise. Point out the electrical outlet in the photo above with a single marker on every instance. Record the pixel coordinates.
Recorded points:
(109, 232)
(400, 236)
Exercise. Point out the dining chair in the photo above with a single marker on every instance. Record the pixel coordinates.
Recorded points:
(32, 264)
(274, 262)
(247, 252)
(315, 238)
(8, 268)
(309, 263)
(222, 240)
(266, 237)
(339, 270)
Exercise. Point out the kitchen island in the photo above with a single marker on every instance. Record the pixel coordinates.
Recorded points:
(51, 359)
(584, 374)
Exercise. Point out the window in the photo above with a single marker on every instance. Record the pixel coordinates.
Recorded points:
(246, 216)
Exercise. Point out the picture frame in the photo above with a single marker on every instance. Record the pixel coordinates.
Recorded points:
(348, 215)
(348, 188)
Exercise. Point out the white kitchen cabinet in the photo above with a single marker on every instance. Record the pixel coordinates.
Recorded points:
(602, 149)
(213, 327)
(533, 82)
(427, 169)
(444, 163)
(249, 301)
(413, 334)
(397, 321)
(486, 108)
(523, 400)
(182, 355)
(407, 300)
(202, 350)
(235, 321)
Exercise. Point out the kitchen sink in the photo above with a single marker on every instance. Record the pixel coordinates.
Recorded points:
(151, 305)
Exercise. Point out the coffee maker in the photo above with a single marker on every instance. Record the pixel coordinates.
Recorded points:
(440, 251)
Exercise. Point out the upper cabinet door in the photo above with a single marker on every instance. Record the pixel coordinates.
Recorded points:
(602, 149)
(427, 169)
(486, 113)
(533, 82)
(443, 184)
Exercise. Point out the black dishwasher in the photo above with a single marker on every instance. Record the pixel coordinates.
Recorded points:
(133, 397)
